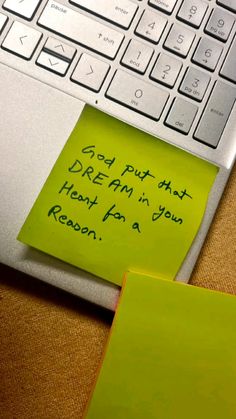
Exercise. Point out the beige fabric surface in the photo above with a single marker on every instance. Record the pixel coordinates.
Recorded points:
(51, 342)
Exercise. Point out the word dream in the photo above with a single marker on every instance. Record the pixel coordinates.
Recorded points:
(86, 168)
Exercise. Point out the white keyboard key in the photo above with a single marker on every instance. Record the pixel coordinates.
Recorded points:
(194, 84)
(120, 12)
(179, 40)
(181, 115)
(23, 8)
(21, 40)
(60, 49)
(166, 6)
(137, 94)
(216, 114)
(166, 70)
(207, 54)
(192, 12)
(228, 4)
(137, 56)
(52, 63)
(90, 72)
(229, 67)
(81, 29)
(3, 21)
(220, 24)
(151, 26)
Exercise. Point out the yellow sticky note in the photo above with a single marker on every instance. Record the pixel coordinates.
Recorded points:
(171, 354)
(118, 199)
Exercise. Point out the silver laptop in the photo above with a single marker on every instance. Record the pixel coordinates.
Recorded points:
(167, 67)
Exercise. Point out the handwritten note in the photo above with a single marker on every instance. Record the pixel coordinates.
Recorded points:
(118, 199)
(171, 354)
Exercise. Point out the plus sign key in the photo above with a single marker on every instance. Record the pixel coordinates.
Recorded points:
(90, 72)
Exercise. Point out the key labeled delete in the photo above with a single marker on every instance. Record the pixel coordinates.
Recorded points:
(118, 199)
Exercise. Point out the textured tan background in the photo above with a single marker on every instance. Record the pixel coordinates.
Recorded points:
(52, 342)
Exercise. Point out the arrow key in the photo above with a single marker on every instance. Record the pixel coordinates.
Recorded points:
(90, 72)
(52, 63)
(60, 49)
(21, 40)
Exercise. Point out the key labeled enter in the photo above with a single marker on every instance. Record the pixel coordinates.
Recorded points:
(119, 12)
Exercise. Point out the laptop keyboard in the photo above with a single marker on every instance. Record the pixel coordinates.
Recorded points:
(172, 62)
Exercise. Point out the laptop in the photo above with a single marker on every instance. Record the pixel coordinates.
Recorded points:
(167, 67)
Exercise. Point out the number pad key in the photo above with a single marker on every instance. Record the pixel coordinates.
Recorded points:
(219, 24)
(151, 26)
(137, 56)
(216, 114)
(166, 6)
(137, 94)
(194, 84)
(207, 54)
(192, 12)
(166, 70)
(179, 40)
(181, 115)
